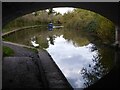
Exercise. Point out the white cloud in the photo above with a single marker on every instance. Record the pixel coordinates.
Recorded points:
(63, 10)
(71, 59)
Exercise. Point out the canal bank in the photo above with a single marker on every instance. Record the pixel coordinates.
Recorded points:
(77, 57)
(25, 69)
(53, 74)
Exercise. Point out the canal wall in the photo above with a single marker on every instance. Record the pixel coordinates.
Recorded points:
(18, 29)
(51, 75)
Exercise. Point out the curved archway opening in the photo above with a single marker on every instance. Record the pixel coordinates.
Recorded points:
(91, 72)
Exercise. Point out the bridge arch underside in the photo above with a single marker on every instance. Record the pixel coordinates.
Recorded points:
(109, 10)
(12, 10)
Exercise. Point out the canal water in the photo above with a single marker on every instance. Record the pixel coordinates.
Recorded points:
(82, 61)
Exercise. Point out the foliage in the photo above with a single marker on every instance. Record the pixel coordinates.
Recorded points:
(102, 65)
(41, 17)
(79, 19)
(7, 51)
(93, 23)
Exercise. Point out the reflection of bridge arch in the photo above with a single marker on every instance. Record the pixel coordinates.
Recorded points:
(109, 10)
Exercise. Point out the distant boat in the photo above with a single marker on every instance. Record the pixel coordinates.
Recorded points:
(50, 26)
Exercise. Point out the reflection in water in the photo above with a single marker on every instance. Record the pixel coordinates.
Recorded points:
(51, 40)
(82, 62)
(93, 72)
(33, 42)
(71, 59)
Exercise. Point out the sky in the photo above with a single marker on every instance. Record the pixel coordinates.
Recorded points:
(63, 10)
(71, 60)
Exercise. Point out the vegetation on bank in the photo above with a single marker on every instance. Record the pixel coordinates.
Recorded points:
(37, 18)
(82, 20)
(32, 49)
(93, 23)
(7, 51)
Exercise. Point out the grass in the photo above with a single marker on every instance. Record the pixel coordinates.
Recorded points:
(7, 51)
(33, 50)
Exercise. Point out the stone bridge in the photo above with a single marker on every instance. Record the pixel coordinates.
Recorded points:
(109, 10)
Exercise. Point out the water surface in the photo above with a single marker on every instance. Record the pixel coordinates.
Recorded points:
(81, 61)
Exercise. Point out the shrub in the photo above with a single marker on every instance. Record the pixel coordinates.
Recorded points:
(7, 51)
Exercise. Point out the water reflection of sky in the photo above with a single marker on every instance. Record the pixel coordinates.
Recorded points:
(71, 59)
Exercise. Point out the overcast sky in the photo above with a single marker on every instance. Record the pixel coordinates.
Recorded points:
(63, 10)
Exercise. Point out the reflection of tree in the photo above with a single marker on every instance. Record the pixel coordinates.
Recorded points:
(75, 37)
(51, 39)
(43, 42)
(93, 48)
(93, 73)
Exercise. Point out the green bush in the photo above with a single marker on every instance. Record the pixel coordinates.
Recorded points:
(92, 23)
(7, 51)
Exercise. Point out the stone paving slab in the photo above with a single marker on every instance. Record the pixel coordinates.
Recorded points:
(20, 72)
(32, 70)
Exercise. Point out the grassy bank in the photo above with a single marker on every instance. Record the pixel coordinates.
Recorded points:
(7, 51)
